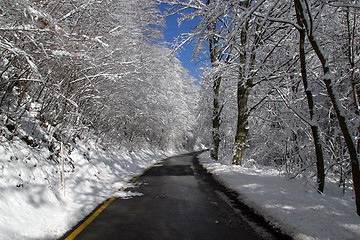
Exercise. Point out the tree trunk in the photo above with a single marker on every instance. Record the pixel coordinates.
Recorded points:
(327, 78)
(310, 100)
(242, 128)
(243, 90)
(351, 57)
(213, 45)
(216, 119)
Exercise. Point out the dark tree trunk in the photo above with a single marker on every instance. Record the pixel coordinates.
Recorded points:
(351, 57)
(310, 100)
(327, 78)
(242, 128)
(213, 45)
(243, 90)
(216, 119)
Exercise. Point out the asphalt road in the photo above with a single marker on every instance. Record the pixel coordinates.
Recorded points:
(176, 204)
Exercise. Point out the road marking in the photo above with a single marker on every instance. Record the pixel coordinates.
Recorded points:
(136, 177)
(89, 220)
(95, 214)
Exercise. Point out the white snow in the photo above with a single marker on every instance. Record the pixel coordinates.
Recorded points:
(33, 203)
(292, 205)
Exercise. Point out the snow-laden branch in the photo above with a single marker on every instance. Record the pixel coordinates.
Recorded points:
(341, 4)
(279, 20)
(253, 108)
(77, 9)
(302, 117)
(67, 99)
(88, 77)
(17, 51)
(197, 5)
(25, 28)
(183, 42)
(30, 79)
(97, 39)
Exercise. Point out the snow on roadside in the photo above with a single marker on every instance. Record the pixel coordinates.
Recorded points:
(289, 204)
(33, 203)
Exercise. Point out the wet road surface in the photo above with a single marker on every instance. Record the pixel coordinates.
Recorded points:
(176, 204)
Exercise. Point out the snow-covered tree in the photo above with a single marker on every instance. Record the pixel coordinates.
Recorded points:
(94, 66)
(293, 67)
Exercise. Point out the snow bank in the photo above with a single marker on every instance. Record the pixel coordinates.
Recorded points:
(35, 202)
(290, 204)
(34, 205)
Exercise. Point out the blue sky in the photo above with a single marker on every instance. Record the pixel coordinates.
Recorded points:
(171, 32)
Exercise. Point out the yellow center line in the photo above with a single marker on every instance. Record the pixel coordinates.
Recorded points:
(89, 220)
(136, 178)
(95, 214)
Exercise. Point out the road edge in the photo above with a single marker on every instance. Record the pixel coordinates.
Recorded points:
(250, 213)
(81, 225)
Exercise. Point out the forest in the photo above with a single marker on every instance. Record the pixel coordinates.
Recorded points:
(282, 84)
(279, 86)
(94, 67)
